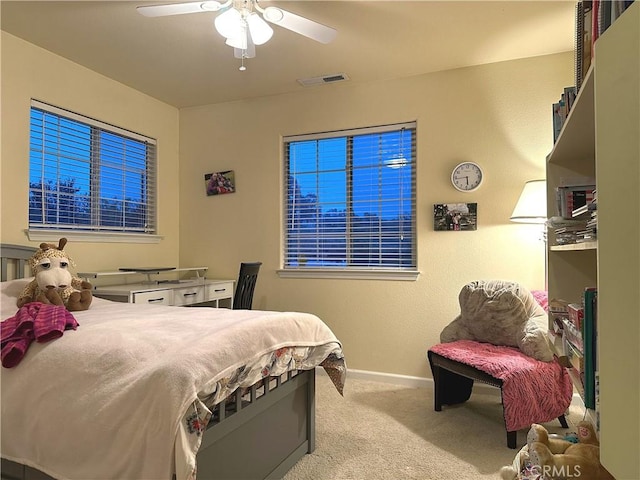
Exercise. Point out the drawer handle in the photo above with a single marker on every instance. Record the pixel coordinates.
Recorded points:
(220, 290)
(189, 294)
(151, 300)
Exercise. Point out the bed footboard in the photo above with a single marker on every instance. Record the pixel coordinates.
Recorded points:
(265, 434)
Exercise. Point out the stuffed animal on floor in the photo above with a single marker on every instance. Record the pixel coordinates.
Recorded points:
(549, 458)
(53, 282)
(556, 444)
(580, 459)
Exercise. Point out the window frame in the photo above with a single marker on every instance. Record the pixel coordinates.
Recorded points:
(92, 232)
(408, 273)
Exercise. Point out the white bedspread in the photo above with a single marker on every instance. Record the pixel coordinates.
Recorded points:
(106, 400)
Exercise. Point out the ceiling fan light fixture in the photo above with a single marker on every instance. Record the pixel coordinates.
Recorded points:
(273, 14)
(210, 6)
(229, 23)
(238, 41)
(249, 52)
(260, 31)
(240, 25)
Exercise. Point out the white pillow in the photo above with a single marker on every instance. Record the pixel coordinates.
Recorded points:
(9, 293)
(502, 313)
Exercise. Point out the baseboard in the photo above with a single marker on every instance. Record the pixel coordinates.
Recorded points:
(423, 382)
(393, 378)
(396, 379)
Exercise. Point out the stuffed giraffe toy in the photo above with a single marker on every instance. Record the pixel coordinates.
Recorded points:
(53, 282)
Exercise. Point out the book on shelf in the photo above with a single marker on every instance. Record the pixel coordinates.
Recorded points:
(606, 12)
(581, 210)
(557, 110)
(571, 230)
(579, 227)
(560, 110)
(585, 236)
(593, 18)
(569, 96)
(571, 197)
(589, 342)
(579, 45)
(583, 42)
(596, 12)
(591, 225)
(558, 313)
(576, 314)
(597, 395)
(604, 15)
(573, 336)
(575, 358)
(561, 223)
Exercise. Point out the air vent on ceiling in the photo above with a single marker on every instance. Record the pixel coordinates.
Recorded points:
(336, 77)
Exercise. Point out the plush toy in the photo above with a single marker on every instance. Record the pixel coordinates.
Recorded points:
(53, 282)
(556, 444)
(502, 313)
(548, 458)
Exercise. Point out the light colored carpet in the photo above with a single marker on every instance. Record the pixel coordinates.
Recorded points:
(381, 431)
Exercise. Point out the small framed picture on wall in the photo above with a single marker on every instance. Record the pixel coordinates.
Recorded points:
(220, 182)
(455, 216)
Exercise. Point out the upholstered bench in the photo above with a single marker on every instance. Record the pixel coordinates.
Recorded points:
(532, 391)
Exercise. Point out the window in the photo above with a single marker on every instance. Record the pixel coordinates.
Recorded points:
(85, 175)
(350, 201)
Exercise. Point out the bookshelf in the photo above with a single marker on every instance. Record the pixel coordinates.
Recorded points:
(599, 139)
(617, 106)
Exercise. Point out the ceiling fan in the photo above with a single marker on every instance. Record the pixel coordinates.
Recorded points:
(242, 22)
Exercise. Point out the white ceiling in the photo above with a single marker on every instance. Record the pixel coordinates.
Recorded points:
(183, 61)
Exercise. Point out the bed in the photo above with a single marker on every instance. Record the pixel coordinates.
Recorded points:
(156, 392)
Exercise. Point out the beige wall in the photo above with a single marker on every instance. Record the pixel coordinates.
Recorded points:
(498, 115)
(31, 72)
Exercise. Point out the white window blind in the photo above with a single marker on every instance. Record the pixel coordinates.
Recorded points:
(86, 175)
(350, 199)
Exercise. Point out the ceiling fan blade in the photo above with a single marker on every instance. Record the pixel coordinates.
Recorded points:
(314, 30)
(178, 8)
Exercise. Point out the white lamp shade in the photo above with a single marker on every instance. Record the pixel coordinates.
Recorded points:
(239, 42)
(532, 204)
(260, 31)
(229, 23)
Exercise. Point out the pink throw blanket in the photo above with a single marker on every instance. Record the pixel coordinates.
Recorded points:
(532, 391)
(33, 321)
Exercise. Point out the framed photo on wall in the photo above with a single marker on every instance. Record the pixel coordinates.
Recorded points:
(220, 182)
(455, 216)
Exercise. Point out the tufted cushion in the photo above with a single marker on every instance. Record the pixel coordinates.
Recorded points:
(502, 313)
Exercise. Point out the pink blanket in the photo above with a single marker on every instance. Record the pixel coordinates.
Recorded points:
(532, 391)
(33, 321)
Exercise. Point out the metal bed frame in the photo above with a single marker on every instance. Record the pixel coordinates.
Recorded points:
(258, 434)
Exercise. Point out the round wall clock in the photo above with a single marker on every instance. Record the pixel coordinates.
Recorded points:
(466, 176)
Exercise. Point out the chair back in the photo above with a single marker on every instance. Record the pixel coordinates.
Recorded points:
(243, 297)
